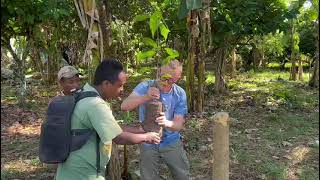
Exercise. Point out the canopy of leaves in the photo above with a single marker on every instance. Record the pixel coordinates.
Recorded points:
(239, 18)
(18, 17)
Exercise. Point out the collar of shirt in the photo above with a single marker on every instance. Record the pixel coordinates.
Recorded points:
(88, 87)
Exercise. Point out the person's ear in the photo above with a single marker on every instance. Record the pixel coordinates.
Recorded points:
(106, 82)
(61, 82)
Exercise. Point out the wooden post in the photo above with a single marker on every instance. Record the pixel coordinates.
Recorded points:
(221, 146)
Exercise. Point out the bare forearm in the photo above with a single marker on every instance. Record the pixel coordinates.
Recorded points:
(176, 126)
(129, 138)
(133, 102)
(132, 129)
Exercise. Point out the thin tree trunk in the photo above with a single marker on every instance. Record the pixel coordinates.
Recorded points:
(200, 97)
(192, 55)
(54, 56)
(255, 53)
(20, 70)
(108, 24)
(105, 24)
(293, 74)
(314, 81)
(233, 62)
(220, 86)
(300, 70)
(263, 59)
(36, 59)
(204, 44)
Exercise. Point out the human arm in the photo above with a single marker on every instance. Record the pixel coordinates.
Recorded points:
(179, 112)
(108, 129)
(133, 129)
(131, 138)
(133, 101)
(140, 95)
(175, 125)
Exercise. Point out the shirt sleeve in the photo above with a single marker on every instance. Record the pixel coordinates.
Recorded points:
(181, 107)
(103, 122)
(142, 88)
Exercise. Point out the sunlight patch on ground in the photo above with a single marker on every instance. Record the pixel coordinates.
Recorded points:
(297, 154)
(26, 130)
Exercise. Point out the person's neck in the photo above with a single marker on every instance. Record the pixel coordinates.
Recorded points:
(98, 88)
(64, 93)
(165, 89)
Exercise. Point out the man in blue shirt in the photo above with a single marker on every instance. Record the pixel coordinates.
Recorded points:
(170, 149)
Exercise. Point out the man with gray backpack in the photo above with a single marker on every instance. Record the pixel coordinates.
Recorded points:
(79, 129)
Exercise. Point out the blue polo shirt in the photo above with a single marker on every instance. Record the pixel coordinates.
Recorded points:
(175, 103)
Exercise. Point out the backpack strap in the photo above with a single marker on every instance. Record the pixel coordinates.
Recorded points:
(98, 154)
(85, 94)
(78, 97)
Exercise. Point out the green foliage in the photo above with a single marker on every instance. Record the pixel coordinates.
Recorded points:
(156, 24)
(145, 55)
(172, 55)
(274, 44)
(17, 17)
(307, 43)
(306, 28)
(235, 19)
(150, 42)
(164, 31)
(295, 43)
(141, 17)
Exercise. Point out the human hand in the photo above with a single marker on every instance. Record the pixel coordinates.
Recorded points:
(152, 138)
(153, 93)
(162, 121)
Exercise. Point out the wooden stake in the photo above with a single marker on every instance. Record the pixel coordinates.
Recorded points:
(221, 146)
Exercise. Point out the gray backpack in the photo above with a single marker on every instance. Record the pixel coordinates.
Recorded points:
(57, 139)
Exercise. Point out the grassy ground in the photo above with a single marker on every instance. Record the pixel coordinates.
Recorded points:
(274, 131)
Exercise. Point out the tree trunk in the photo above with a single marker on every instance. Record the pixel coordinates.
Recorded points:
(204, 44)
(200, 97)
(293, 74)
(105, 24)
(221, 146)
(300, 70)
(233, 62)
(54, 60)
(36, 59)
(314, 81)
(220, 86)
(294, 70)
(192, 55)
(256, 60)
(19, 70)
(263, 61)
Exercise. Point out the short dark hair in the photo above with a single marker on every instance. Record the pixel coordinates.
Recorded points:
(108, 69)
